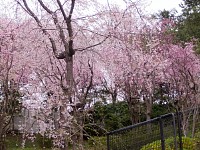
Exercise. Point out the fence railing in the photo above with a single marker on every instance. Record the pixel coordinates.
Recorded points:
(175, 131)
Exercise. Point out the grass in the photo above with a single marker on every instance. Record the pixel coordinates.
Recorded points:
(28, 148)
(14, 142)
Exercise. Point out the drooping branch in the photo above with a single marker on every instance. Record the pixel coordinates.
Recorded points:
(94, 45)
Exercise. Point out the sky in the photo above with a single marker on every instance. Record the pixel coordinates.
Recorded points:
(156, 5)
(151, 6)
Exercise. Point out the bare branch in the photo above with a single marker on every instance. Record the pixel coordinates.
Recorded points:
(69, 25)
(91, 79)
(32, 14)
(71, 10)
(82, 49)
(62, 10)
(45, 7)
(61, 32)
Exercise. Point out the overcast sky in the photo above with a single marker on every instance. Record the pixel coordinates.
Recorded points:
(156, 5)
(152, 6)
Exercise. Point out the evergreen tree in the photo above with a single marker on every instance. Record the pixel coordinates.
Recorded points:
(188, 25)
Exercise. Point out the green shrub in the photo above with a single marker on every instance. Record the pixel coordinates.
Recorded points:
(156, 145)
(97, 140)
(44, 142)
(188, 144)
(96, 143)
(197, 138)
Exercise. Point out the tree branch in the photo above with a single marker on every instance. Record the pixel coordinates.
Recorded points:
(91, 79)
(69, 25)
(61, 32)
(32, 14)
(82, 49)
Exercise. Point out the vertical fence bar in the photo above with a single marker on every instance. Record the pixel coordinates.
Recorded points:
(174, 127)
(179, 130)
(162, 134)
(108, 142)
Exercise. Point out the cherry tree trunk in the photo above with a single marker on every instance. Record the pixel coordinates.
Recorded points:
(148, 108)
(133, 106)
(77, 123)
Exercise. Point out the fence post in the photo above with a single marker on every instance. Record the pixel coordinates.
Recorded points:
(108, 142)
(174, 127)
(179, 130)
(162, 134)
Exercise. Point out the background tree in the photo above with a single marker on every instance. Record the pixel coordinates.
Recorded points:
(187, 28)
(12, 76)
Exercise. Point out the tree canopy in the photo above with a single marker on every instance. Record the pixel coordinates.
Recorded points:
(82, 64)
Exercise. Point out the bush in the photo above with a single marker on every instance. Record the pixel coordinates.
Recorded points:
(156, 145)
(197, 138)
(96, 143)
(101, 141)
(44, 142)
(188, 144)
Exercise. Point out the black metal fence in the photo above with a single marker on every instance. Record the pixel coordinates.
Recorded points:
(174, 131)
